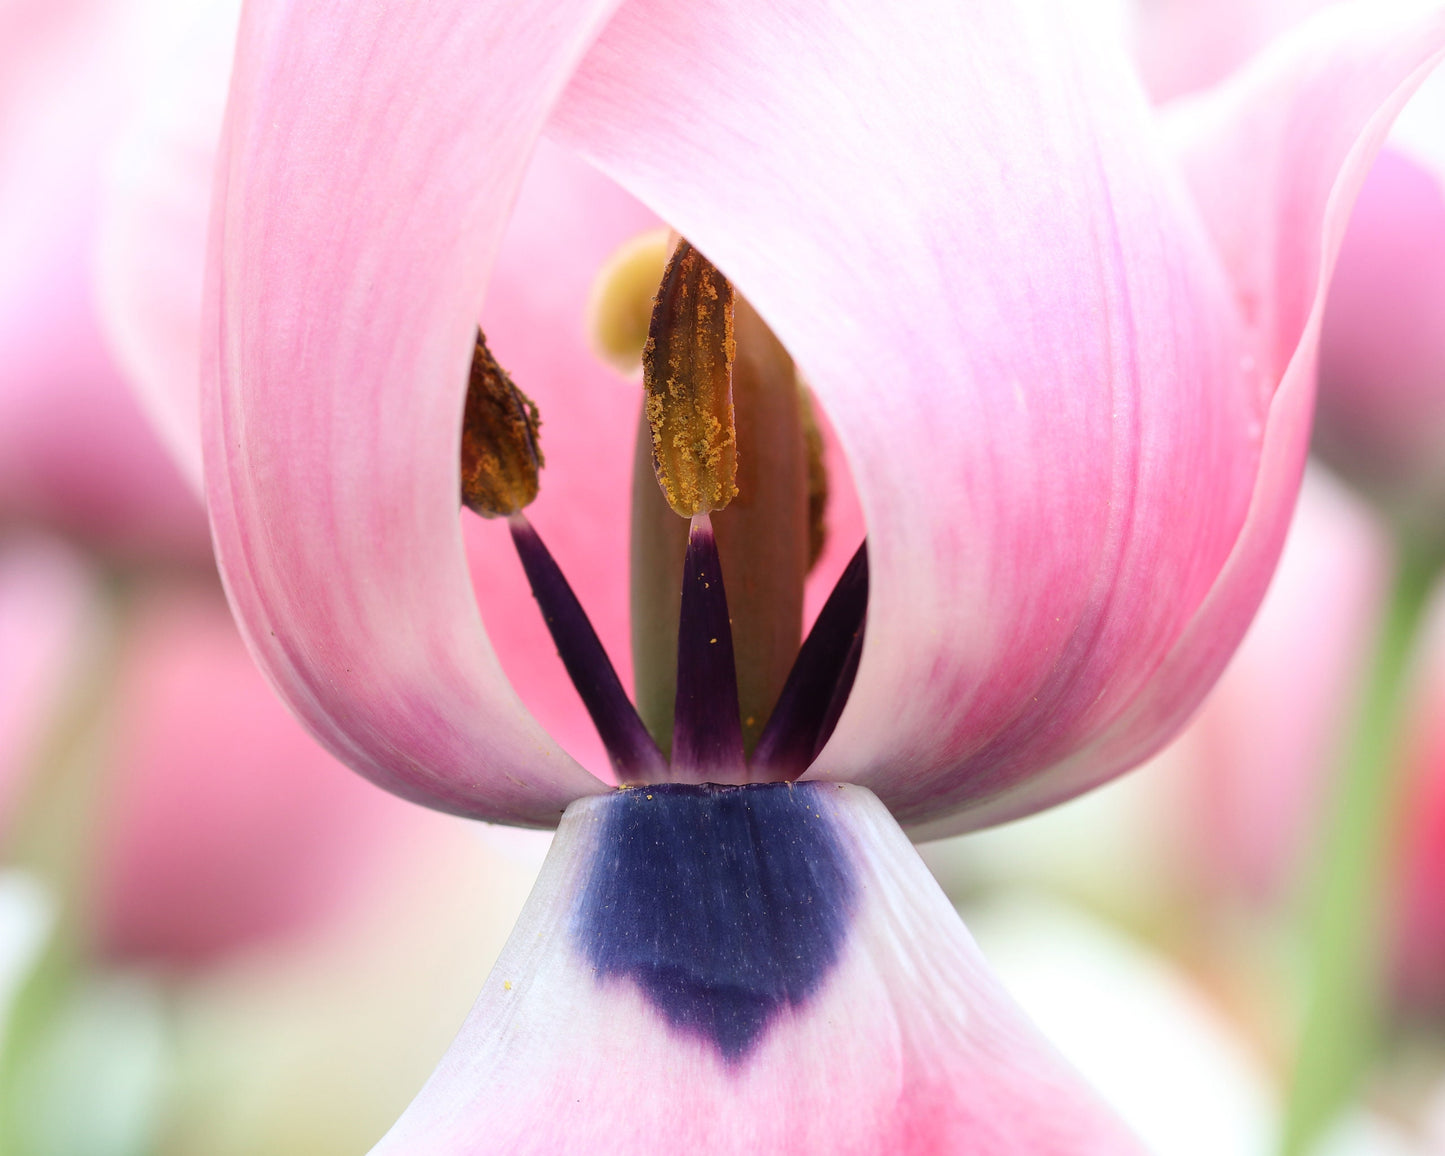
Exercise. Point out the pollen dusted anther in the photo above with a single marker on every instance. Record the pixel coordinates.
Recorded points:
(500, 451)
(687, 367)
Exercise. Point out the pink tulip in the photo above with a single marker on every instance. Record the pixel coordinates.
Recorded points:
(1073, 375)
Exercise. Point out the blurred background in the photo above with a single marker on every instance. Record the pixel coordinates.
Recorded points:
(215, 939)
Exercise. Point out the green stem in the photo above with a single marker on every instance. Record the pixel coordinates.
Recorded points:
(1345, 934)
(53, 839)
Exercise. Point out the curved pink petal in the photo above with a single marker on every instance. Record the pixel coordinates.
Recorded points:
(1274, 159)
(226, 824)
(908, 1045)
(1016, 325)
(75, 451)
(370, 157)
(1381, 412)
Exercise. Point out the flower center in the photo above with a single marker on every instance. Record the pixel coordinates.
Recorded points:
(729, 467)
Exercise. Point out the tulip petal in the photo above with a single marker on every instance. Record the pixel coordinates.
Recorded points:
(984, 268)
(370, 156)
(612, 1027)
(1069, 516)
(1304, 122)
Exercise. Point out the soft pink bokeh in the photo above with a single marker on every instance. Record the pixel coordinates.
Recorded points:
(1261, 756)
(220, 824)
(46, 596)
(1381, 415)
(225, 825)
(75, 451)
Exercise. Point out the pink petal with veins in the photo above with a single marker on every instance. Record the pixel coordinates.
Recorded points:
(1070, 518)
(1020, 334)
(909, 1046)
(372, 154)
(1274, 159)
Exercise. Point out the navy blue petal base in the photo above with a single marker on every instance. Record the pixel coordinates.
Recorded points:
(725, 905)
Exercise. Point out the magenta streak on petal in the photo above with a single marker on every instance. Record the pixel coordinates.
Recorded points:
(1063, 450)
(370, 156)
(707, 740)
(634, 755)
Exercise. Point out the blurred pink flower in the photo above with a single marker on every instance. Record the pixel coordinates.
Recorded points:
(1098, 389)
(75, 451)
(1261, 753)
(221, 823)
(1381, 418)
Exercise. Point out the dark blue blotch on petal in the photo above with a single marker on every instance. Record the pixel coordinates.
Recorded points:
(725, 905)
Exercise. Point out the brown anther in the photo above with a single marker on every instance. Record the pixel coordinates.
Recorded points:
(817, 476)
(687, 373)
(500, 451)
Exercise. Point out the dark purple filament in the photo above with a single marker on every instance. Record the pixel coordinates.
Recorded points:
(633, 753)
(796, 728)
(707, 730)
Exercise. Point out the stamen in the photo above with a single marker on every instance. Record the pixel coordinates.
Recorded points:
(687, 372)
(707, 738)
(762, 538)
(820, 680)
(500, 451)
(630, 748)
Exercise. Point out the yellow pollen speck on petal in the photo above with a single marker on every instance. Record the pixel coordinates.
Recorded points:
(506, 985)
(620, 306)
